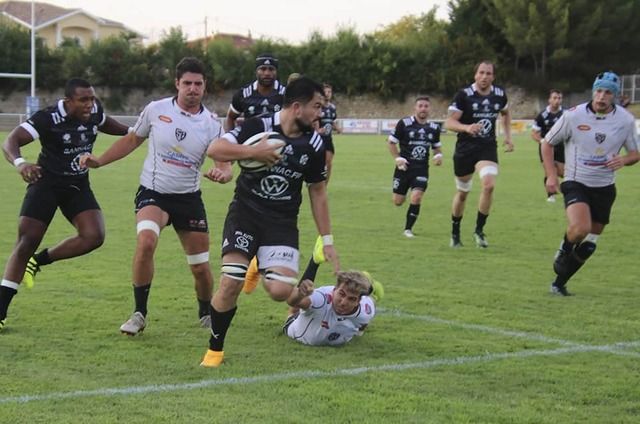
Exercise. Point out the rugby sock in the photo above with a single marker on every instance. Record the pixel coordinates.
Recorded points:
(480, 221)
(566, 246)
(141, 295)
(204, 307)
(8, 289)
(455, 225)
(43, 257)
(412, 215)
(220, 323)
(567, 265)
(311, 271)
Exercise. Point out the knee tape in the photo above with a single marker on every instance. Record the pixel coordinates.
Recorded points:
(198, 258)
(276, 276)
(464, 185)
(234, 271)
(148, 225)
(488, 170)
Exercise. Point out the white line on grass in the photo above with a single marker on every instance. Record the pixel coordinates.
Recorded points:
(493, 330)
(270, 378)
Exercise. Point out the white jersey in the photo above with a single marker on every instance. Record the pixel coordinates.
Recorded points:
(320, 325)
(178, 143)
(591, 140)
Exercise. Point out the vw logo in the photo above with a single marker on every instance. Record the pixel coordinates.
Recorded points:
(486, 127)
(274, 185)
(419, 153)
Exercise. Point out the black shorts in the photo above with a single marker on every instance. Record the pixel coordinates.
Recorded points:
(327, 142)
(558, 153)
(186, 211)
(414, 179)
(465, 163)
(71, 195)
(599, 199)
(245, 231)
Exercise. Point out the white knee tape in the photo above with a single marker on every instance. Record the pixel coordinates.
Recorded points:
(464, 185)
(488, 170)
(234, 271)
(198, 258)
(148, 225)
(10, 284)
(273, 275)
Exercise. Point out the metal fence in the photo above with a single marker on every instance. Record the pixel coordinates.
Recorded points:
(631, 87)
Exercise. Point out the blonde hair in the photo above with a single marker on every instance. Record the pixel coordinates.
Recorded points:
(355, 281)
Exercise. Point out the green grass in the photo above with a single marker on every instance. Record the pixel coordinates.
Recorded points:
(436, 353)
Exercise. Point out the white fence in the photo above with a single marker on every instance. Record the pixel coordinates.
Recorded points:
(631, 87)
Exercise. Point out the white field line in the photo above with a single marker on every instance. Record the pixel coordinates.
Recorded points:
(311, 374)
(492, 330)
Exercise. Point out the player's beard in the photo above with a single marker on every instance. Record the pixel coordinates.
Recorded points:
(302, 126)
(266, 82)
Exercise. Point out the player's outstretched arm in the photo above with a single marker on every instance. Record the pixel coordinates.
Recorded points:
(113, 127)
(299, 297)
(320, 211)
(221, 173)
(121, 148)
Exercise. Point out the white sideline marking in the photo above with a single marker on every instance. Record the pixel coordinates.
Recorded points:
(270, 378)
(493, 330)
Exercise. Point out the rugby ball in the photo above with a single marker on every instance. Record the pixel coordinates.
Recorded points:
(273, 138)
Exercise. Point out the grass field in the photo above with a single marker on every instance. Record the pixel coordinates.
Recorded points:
(464, 336)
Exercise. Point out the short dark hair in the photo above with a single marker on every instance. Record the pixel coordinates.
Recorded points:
(327, 85)
(74, 83)
(423, 97)
(554, 90)
(485, 62)
(190, 64)
(301, 90)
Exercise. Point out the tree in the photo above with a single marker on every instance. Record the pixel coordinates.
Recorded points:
(534, 28)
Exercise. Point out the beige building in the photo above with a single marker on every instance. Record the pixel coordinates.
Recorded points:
(54, 24)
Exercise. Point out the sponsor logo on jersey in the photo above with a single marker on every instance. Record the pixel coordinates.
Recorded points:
(274, 185)
(276, 108)
(242, 242)
(304, 159)
(180, 134)
(333, 336)
(66, 138)
(165, 118)
(198, 223)
(419, 153)
(486, 127)
(584, 127)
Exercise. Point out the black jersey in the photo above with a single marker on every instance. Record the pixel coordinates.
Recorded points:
(249, 102)
(63, 138)
(415, 140)
(545, 120)
(478, 109)
(327, 118)
(277, 191)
